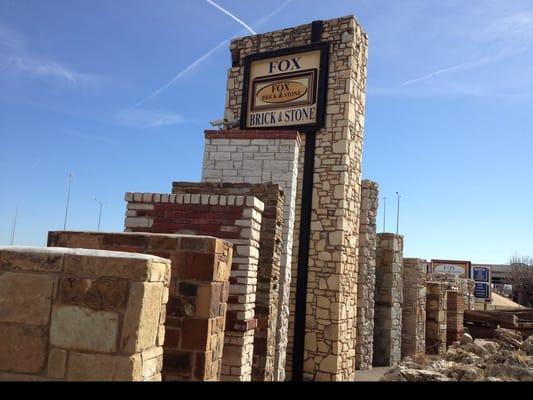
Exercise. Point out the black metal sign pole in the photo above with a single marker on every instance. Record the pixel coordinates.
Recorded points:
(305, 234)
(303, 257)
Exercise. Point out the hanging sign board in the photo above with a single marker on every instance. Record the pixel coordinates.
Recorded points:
(459, 268)
(285, 88)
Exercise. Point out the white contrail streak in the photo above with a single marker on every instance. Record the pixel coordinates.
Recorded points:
(460, 67)
(202, 58)
(231, 15)
(190, 67)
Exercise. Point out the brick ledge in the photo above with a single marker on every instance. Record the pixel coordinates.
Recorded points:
(252, 134)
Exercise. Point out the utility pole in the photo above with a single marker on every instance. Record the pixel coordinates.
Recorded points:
(14, 228)
(398, 213)
(68, 199)
(99, 215)
(384, 212)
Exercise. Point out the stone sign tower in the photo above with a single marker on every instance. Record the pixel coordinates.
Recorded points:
(309, 80)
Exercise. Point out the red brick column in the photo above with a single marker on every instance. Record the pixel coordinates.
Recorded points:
(235, 218)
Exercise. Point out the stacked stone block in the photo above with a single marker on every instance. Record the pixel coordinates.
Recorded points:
(235, 218)
(268, 272)
(199, 287)
(455, 307)
(389, 299)
(366, 277)
(81, 315)
(436, 305)
(414, 307)
(261, 156)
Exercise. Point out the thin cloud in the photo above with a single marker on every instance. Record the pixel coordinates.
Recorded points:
(16, 60)
(42, 68)
(205, 56)
(455, 68)
(143, 118)
(231, 15)
(90, 137)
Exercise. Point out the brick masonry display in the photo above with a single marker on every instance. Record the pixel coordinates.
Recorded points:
(268, 270)
(199, 288)
(235, 218)
(81, 315)
(261, 156)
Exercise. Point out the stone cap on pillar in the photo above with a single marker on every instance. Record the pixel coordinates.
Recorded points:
(252, 134)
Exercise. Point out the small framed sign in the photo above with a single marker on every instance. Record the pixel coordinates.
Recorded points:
(482, 291)
(459, 268)
(286, 89)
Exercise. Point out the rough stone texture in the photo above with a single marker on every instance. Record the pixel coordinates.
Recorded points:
(77, 318)
(366, 277)
(389, 299)
(268, 270)
(333, 254)
(235, 218)
(414, 307)
(455, 308)
(193, 338)
(262, 156)
(461, 285)
(436, 304)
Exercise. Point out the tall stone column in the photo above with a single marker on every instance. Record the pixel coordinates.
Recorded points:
(388, 298)
(436, 317)
(331, 297)
(454, 316)
(366, 276)
(414, 307)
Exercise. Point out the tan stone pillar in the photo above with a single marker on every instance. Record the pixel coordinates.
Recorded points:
(366, 283)
(389, 299)
(414, 307)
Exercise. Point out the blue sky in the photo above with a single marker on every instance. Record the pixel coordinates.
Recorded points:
(119, 93)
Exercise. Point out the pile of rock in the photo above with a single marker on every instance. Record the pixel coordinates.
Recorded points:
(506, 357)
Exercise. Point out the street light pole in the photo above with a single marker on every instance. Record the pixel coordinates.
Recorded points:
(99, 215)
(68, 200)
(398, 213)
(12, 239)
(384, 212)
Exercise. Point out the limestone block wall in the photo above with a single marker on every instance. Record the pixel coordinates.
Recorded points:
(82, 315)
(262, 156)
(389, 299)
(268, 271)
(414, 307)
(436, 305)
(366, 277)
(199, 287)
(235, 218)
(455, 308)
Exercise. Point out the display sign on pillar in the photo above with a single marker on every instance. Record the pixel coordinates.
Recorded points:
(285, 88)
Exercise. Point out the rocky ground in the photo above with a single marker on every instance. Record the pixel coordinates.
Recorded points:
(506, 357)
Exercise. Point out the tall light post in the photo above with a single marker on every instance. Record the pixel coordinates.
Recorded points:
(384, 212)
(68, 200)
(398, 213)
(99, 215)
(14, 228)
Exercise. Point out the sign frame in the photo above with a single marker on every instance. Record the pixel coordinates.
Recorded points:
(321, 89)
(467, 264)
